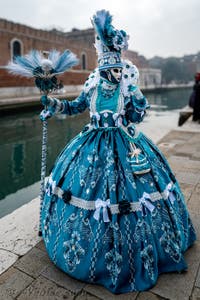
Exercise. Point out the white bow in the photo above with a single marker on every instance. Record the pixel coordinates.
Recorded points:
(102, 204)
(169, 193)
(95, 114)
(145, 202)
(118, 119)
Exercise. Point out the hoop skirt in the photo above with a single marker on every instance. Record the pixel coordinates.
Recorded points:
(103, 223)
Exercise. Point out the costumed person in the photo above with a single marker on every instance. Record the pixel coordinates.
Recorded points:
(196, 98)
(113, 212)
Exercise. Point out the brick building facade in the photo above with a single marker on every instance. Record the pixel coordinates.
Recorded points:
(18, 39)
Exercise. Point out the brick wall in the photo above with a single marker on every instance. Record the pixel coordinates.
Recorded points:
(78, 41)
(69, 78)
(42, 40)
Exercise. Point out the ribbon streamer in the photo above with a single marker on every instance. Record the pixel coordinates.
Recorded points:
(144, 201)
(169, 193)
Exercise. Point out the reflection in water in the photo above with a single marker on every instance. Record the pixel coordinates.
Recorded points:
(20, 146)
(169, 99)
(17, 162)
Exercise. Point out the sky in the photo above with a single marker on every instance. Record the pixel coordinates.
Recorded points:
(156, 27)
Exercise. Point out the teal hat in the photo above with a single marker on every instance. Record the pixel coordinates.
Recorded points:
(109, 60)
(109, 41)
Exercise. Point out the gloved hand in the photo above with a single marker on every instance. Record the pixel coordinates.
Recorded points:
(45, 114)
(45, 100)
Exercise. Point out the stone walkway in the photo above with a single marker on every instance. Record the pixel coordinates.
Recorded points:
(33, 276)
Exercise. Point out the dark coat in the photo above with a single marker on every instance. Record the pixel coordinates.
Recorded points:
(196, 112)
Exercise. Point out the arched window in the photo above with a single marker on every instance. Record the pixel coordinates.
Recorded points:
(16, 48)
(83, 61)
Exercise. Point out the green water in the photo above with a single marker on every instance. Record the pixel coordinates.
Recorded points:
(20, 146)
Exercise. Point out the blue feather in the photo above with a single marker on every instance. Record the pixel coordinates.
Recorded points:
(54, 56)
(113, 39)
(17, 69)
(36, 57)
(102, 23)
(24, 62)
(26, 65)
(66, 60)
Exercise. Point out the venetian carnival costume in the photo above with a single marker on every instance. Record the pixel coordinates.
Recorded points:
(113, 212)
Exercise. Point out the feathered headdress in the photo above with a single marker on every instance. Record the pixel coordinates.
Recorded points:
(34, 64)
(109, 41)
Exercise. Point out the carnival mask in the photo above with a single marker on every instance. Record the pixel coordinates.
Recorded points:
(116, 73)
(113, 75)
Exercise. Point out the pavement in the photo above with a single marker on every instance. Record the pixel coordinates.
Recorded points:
(27, 273)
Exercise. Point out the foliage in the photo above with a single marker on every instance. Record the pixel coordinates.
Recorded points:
(176, 69)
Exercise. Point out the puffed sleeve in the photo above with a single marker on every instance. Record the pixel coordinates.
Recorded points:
(136, 107)
(67, 107)
(75, 106)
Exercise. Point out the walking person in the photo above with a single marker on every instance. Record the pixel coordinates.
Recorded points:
(196, 102)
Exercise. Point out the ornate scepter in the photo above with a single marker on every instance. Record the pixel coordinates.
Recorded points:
(44, 68)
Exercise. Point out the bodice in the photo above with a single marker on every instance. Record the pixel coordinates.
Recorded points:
(107, 105)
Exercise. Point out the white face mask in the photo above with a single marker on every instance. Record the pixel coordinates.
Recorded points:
(116, 73)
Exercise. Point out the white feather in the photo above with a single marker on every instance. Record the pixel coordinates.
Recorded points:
(18, 70)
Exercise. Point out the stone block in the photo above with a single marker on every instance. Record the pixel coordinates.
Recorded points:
(148, 296)
(56, 275)
(175, 286)
(41, 246)
(19, 230)
(44, 289)
(33, 262)
(104, 294)
(185, 150)
(4, 295)
(183, 163)
(12, 283)
(196, 155)
(7, 259)
(188, 177)
(166, 146)
(194, 203)
(187, 190)
(197, 283)
(177, 135)
(196, 223)
(195, 138)
(195, 294)
(85, 296)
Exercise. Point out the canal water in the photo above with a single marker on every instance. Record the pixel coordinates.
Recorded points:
(20, 143)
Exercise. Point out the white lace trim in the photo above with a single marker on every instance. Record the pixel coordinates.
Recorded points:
(114, 208)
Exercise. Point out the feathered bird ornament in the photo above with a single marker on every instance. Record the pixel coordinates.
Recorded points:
(44, 69)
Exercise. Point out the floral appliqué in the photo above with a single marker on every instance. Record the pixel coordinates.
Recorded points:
(73, 251)
(113, 264)
(170, 243)
(147, 258)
